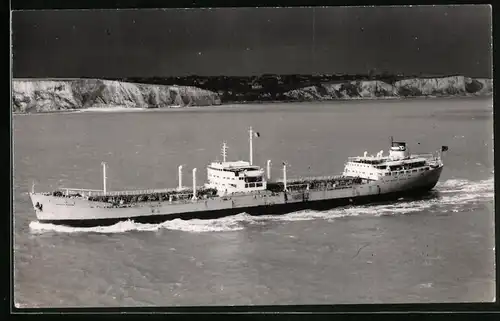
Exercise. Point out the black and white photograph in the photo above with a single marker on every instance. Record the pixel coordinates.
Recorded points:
(252, 156)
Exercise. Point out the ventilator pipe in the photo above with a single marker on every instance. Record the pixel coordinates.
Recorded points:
(284, 177)
(194, 184)
(180, 177)
(104, 177)
(269, 170)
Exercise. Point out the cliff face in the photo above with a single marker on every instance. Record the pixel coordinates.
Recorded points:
(35, 95)
(416, 87)
(486, 86)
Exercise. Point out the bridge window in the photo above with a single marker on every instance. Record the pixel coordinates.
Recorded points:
(259, 184)
(253, 179)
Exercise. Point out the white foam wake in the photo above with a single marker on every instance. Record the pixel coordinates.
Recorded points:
(230, 223)
(451, 195)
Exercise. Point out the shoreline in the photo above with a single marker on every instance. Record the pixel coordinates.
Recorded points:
(110, 109)
(118, 109)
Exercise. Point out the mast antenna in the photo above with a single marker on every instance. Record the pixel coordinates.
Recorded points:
(250, 131)
(224, 151)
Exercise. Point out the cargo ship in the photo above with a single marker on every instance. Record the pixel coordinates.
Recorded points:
(235, 187)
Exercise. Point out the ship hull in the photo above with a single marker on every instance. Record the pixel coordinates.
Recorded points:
(78, 215)
(278, 209)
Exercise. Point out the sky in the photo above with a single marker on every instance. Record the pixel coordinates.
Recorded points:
(439, 40)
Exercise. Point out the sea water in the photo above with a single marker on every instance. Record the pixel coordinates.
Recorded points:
(436, 249)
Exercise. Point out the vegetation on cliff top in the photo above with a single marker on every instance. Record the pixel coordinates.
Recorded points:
(271, 87)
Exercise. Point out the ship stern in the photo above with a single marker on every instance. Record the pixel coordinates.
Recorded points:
(425, 183)
(433, 177)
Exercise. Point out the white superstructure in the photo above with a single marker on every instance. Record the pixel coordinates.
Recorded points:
(230, 177)
(398, 164)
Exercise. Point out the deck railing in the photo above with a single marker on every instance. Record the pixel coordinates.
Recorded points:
(93, 192)
(426, 156)
(82, 191)
(386, 158)
(311, 178)
(374, 158)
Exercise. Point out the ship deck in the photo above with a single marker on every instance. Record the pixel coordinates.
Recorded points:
(176, 196)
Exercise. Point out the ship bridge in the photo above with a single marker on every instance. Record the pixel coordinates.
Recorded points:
(235, 176)
(236, 166)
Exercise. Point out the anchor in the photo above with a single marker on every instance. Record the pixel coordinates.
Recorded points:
(39, 206)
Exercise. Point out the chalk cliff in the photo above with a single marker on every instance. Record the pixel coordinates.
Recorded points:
(42, 95)
(415, 87)
(39, 95)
